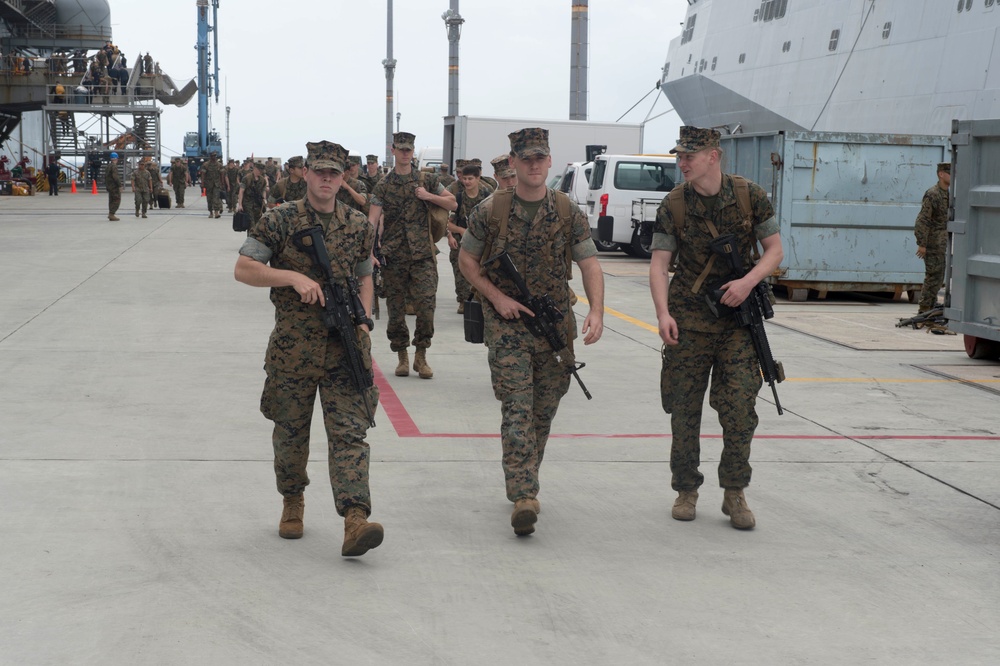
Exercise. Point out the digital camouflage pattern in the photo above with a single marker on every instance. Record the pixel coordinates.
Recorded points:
(526, 378)
(113, 183)
(254, 187)
(287, 190)
(529, 142)
(178, 178)
(403, 140)
(460, 217)
(303, 358)
(142, 186)
(692, 139)
(211, 178)
(404, 234)
(233, 176)
(931, 231)
(709, 346)
(502, 167)
(345, 197)
(271, 171)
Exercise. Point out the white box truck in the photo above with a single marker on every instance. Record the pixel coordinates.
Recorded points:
(486, 138)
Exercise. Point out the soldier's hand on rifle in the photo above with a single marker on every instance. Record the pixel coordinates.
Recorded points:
(375, 262)
(668, 329)
(736, 292)
(508, 308)
(921, 251)
(309, 290)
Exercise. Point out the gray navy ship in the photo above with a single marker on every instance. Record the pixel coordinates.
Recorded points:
(889, 66)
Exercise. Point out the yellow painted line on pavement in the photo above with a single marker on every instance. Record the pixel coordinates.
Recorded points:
(829, 380)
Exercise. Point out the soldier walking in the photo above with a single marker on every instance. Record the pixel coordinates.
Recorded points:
(180, 178)
(213, 181)
(468, 191)
(697, 344)
(354, 193)
(291, 187)
(253, 192)
(411, 267)
(142, 188)
(543, 232)
(303, 358)
(233, 180)
(113, 183)
(931, 231)
(371, 175)
(503, 173)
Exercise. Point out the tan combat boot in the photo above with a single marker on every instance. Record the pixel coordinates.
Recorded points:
(525, 516)
(403, 369)
(684, 505)
(360, 536)
(734, 505)
(420, 364)
(291, 517)
(113, 217)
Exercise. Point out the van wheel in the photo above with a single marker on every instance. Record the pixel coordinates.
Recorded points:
(638, 248)
(606, 246)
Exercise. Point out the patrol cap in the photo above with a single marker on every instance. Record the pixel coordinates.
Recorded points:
(403, 140)
(326, 155)
(257, 165)
(354, 159)
(461, 164)
(944, 166)
(114, 156)
(372, 159)
(213, 154)
(693, 139)
(443, 168)
(529, 142)
(501, 166)
(296, 162)
(475, 161)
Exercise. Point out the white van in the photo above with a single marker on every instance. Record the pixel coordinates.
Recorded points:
(429, 157)
(617, 180)
(575, 182)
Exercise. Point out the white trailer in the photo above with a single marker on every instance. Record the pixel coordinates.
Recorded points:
(486, 138)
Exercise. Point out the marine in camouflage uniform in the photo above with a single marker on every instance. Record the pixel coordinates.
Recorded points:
(446, 178)
(502, 172)
(527, 379)
(353, 192)
(459, 222)
(253, 192)
(142, 188)
(304, 358)
(486, 180)
(409, 253)
(271, 171)
(113, 183)
(233, 179)
(697, 345)
(932, 237)
(213, 180)
(179, 177)
(370, 176)
(290, 188)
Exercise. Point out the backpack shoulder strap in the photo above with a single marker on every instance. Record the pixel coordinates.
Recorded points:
(499, 219)
(565, 213)
(675, 204)
(742, 188)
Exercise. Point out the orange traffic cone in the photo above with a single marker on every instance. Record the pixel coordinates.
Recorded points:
(203, 191)
(93, 187)
(72, 186)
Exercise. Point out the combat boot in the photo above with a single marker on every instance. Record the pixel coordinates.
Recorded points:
(137, 212)
(525, 516)
(403, 369)
(113, 217)
(180, 205)
(290, 526)
(684, 505)
(420, 364)
(734, 505)
(360, 536)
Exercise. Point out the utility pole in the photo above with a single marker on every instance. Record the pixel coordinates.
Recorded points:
(390, 70)
(453, 25)
(578, 60)
(228, 109)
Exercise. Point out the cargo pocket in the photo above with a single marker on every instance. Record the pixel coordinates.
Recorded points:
(268, 398)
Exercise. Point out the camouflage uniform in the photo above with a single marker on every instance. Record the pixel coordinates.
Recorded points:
(287, 190)
(932, 235)
(446, 178)
(178, 177)
(411, 268)
(233, 177)
(707, 345)
(303, 358)
(211, 178)
(113, 183)
(370, 181)
(271, 171)
(142, 188)
(527, 380)
(460, 218)
(344, 197)
(254, 188)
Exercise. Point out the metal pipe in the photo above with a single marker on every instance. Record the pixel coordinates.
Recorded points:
(579, 47)
(390, 66)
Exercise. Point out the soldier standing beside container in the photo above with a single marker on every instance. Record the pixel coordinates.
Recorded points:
(411, 268)
(179, 177)
(528, 379)
(932, 237)
(213, 181)
(142, 188)
(697, 344)
(113, 183)
(303, 357)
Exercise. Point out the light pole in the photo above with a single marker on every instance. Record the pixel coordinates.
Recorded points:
(398, 116)
(453, 25)
(390, 68)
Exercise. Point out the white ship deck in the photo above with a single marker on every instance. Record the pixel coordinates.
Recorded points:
(140, 517)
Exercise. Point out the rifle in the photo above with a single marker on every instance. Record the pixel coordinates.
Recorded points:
(378, 287)
(933, 320)
(750, 314)
(547, 315)
(342, 313)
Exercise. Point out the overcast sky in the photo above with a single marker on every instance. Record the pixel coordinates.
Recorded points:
(294, 71)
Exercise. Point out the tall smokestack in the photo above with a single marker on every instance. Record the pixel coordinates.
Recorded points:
(578, 60)
(390, 68)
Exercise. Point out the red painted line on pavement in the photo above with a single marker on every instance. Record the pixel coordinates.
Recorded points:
(406, 427)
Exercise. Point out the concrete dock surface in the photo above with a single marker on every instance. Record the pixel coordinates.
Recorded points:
(139, 520)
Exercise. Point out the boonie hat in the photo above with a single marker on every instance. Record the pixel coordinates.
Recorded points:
(326, 155)
(529, 142)
(403, 140)
(693, 139)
